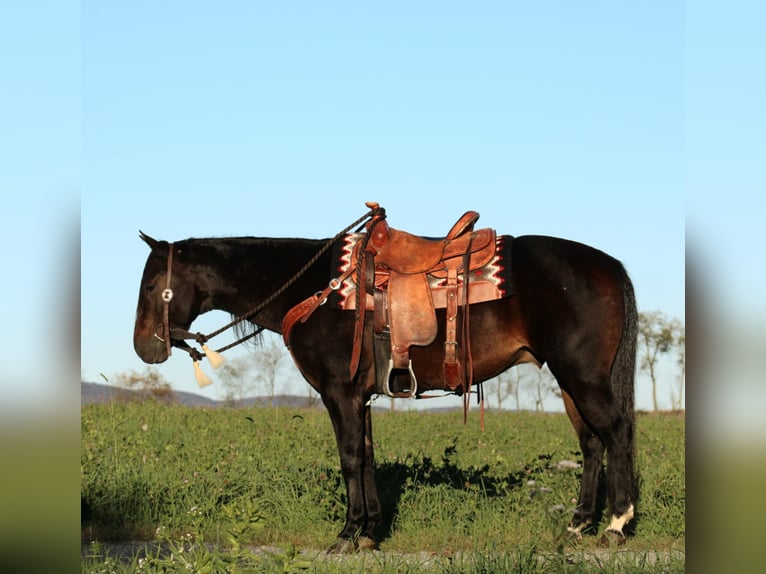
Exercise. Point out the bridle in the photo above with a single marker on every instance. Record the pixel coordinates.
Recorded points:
(167, 297)
(179, 336)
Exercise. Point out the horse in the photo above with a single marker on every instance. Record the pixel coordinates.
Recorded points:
(571, 306)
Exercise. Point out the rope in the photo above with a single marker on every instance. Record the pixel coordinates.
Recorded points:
(200, 338)
(258, 331)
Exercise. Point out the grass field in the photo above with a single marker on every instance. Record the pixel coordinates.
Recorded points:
(223, 490)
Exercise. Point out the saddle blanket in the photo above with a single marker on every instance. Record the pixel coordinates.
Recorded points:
(492, 281)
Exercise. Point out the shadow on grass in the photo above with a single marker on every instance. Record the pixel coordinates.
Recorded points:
(394, 477)
(114, 514)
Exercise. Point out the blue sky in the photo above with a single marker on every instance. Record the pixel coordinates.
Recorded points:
(282, 118)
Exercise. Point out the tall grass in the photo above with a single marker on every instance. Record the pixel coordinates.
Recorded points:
(210, 485)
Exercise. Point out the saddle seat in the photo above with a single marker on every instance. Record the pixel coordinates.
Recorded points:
(402, 252)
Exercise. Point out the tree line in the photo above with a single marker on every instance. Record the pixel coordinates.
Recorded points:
(661, 356)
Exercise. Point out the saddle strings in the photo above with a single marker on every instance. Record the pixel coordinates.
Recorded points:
(467, 362)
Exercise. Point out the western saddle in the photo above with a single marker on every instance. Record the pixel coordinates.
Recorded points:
(403, 278)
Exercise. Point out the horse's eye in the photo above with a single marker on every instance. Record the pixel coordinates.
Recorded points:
(149, 288)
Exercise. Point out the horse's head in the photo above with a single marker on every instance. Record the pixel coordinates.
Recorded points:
(168, 299)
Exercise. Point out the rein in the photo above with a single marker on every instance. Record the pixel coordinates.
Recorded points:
(202, 339)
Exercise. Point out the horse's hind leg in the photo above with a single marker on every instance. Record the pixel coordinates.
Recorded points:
(593, 455)
(597, 408)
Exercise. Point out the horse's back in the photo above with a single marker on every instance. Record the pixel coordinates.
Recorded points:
(561, 266)
(544, 250)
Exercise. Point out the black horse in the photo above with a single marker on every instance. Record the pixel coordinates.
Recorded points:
(572, 307)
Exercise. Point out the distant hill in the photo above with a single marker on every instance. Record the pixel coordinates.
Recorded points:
(97, 393)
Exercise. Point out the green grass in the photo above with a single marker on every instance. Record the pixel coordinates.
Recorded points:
(212, 484)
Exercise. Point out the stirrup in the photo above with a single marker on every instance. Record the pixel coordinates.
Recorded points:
(410, 394)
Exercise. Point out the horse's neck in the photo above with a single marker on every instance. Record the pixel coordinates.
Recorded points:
(252, 270)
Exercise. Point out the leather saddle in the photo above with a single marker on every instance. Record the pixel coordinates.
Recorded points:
(413, 276)
(402, 279)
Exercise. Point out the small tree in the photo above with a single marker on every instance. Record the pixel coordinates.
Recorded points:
(236, 380)
(508, 385)
(149, 384)
(268, 358)
(657, 336)
(312, 397)
(677, 395)
(255, 372)
(541, 384)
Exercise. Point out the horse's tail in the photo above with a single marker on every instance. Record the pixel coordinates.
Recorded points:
(623, 373)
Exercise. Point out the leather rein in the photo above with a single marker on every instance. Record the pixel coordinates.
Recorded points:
(176, 337)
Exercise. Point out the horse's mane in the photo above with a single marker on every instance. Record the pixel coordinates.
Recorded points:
(246, 328)
(217, 245)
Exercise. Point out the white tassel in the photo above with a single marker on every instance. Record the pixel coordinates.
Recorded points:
(202, 379)
(216, 359)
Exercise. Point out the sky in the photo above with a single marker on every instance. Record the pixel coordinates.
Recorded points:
(193, 118)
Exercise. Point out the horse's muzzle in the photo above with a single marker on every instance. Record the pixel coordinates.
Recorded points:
(151, 349)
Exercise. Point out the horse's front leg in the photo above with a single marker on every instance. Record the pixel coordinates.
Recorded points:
(347, 413)
(372, 502)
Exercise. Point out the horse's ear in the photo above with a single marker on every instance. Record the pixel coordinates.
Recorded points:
(150, 241)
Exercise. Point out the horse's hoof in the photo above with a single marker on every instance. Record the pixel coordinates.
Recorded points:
(611, 538)
(342, 546)
(367, 543)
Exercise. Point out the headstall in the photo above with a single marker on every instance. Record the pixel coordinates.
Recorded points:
(167, 297)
